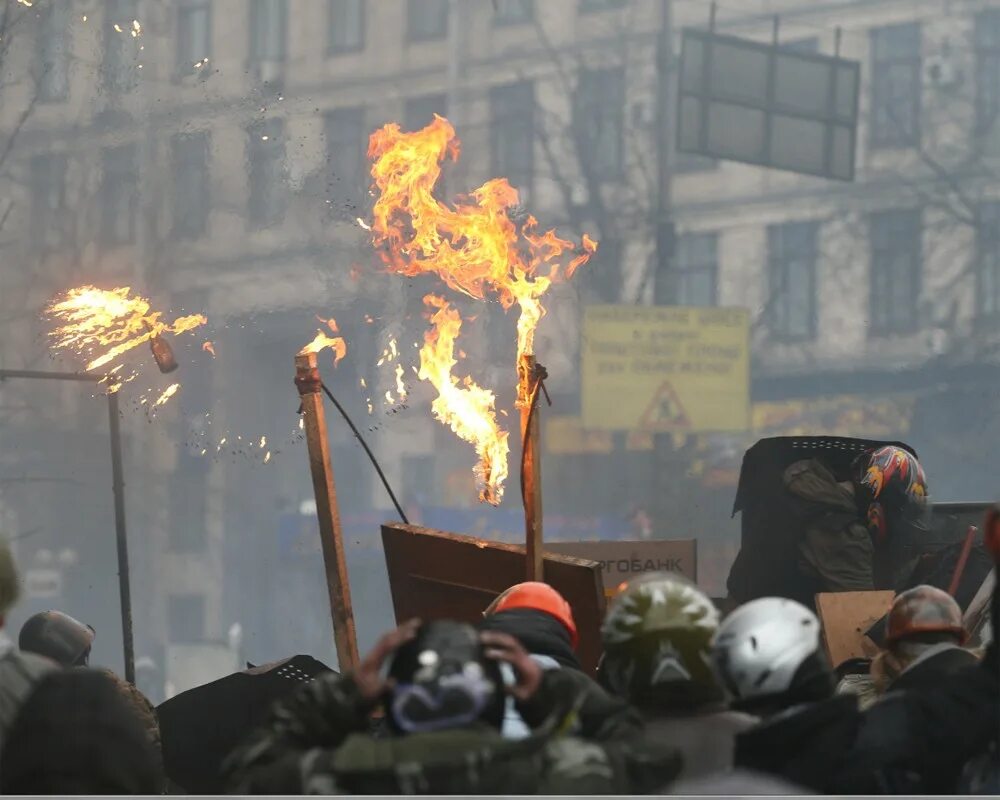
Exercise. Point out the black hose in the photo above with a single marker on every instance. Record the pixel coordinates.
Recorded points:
(371, 455)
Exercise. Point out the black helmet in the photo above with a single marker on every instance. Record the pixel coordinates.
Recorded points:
(57, 636)
(443, 680)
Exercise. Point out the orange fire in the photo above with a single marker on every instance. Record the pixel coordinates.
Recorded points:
(324, 340)
(473, 245)
(103, 324)
(466, 407)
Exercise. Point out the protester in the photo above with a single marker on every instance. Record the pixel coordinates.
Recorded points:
(831, 533)
(768, 656)
(923, 641)
(144, 711)
(19, 671)
(935, 739)
(542, 622)
(444, 702)
(58, 636)
(657, 637)
(77, 734)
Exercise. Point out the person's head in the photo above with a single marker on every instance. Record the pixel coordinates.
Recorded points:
(892, 491)
(10, 585)
(920, 618)
(536, 596)
(58, 636)
(656, 639)
(77, 734)
(442, 680)
(768, 656)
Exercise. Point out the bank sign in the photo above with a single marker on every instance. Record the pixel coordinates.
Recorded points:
(621, 561)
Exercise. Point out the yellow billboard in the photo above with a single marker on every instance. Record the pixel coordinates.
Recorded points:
(666, 369)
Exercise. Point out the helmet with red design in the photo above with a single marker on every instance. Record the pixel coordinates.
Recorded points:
(892, 487)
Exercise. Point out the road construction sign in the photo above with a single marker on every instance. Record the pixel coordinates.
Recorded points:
(666, 369)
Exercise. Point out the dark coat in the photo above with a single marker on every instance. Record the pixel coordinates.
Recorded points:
(805, 744)
(315, 743)
(927, 674)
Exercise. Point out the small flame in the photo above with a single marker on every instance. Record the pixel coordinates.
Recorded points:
(364, 384)
(302, 424)
(263, 442)
(371, 408)
(118, 28)
(400, 386)
(363, 224)
(323, 341)
(169, 392)
(97, 320)
(467, 408)
(209, 347)
(267, 456)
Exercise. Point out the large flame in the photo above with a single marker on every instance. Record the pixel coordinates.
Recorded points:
(464, 406)
(103, 324)
(473, 245)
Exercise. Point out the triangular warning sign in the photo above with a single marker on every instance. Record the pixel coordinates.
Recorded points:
(665, 412)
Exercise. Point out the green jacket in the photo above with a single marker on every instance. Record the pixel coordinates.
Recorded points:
(317, 743)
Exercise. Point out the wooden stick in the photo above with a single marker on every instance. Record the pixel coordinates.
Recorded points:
(331, 534)
(533, 539)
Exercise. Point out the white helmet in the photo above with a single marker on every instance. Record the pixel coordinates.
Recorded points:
(760, 647)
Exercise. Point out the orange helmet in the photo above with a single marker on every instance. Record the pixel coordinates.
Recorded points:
(924, 609)
(540, 597)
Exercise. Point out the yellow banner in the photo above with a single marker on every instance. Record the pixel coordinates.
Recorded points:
(669, 369)
(565, 435)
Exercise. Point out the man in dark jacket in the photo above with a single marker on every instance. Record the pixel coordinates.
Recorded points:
(769, 657)
(923, 641)
(542, 622)
(444, 702)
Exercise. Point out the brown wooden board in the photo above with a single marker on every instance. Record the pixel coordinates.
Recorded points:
(438, 575)
(845, 616)
(623, 560)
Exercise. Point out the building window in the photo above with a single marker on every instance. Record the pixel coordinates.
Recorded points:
(119, 195)
(418, 112)
(121, 48)
(600, 106)
(268, 188)
(587, 6)
(602, 275)
(896, 86)
(988, 261)
(346, 32)
(513, 12)
(190, 481)
(192, 198)
(512, 132)
(268, 30)
(53, 52)
(194, 35)
(185, 618)
(426, 20)
(346, 144)
(692, 280)
(896, 265)
(987, 32)
(48, 200)
(791, 301)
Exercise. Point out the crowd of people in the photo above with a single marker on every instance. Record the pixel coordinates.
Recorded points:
(685, 701)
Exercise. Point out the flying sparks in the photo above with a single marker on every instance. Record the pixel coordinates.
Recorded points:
(169, 392)
(102, 324)
(209, 347)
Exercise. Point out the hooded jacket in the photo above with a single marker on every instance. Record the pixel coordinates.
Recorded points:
(316, 743)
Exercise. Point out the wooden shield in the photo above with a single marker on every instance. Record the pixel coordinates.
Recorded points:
(438, 575)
